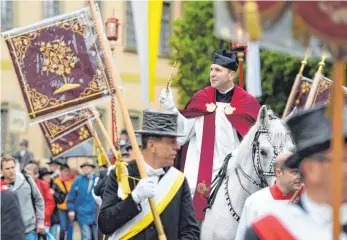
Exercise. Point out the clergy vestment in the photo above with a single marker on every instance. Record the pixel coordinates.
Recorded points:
(213, 124)
(302, 221)
(258, 205)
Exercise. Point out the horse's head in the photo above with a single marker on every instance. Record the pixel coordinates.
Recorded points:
(265, 141)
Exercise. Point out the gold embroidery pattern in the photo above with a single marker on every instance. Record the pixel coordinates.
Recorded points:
(22, 43)
(41, 101)
(96, 85)
(58, 58)
(305, 88)
(56, 148)
(84, 134)
(75, 25)
(57, 128)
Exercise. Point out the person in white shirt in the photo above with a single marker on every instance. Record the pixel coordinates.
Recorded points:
(312, 216)
(261, 202)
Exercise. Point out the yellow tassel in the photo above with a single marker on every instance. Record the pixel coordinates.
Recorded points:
(252, 21)
(122, 177)
(99, 157)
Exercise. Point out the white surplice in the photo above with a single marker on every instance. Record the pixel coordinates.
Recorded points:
(256, 206)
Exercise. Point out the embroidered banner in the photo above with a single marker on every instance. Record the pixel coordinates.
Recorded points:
(68, 141)
(59, 64)
(301, 93)
(324, 89)
(59, 126)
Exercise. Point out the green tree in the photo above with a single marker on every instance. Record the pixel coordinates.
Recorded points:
(194, 43)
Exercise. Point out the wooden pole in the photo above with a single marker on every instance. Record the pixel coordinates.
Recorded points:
(337, 143)
(126, 117)
(98, 143)
(296, 84)
(316, 81)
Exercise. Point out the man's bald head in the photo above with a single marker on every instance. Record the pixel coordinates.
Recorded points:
(281, 158)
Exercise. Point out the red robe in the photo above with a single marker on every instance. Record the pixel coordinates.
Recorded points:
(242, 119)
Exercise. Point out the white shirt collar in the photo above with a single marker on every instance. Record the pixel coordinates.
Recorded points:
(153, 172)
(322, 213)
(226, 90)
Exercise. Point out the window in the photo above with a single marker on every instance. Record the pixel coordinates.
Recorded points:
(135, 121)
(164, 47)
(50, 8)
(6, 15)
(129, 27)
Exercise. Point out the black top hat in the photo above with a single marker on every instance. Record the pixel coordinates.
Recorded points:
(24, 142)
(158, 123)
(56, 161)
(226, 58)
(43, 172)
(311, 131)
(87, 164)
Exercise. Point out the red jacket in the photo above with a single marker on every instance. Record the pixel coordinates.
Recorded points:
(48, 198)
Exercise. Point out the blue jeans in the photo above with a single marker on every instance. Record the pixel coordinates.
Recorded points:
(88, 231)
(31, 236)
(64, 220)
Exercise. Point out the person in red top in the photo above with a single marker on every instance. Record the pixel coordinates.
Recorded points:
(33, 170)
(214, 122)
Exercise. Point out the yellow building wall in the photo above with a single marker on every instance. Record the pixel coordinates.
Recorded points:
(28, 12)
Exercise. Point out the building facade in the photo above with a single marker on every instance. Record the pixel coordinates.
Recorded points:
(22, 13)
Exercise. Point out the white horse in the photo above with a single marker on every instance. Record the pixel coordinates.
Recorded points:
(250, 168)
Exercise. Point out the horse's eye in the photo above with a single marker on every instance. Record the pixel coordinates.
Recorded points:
(263, 153)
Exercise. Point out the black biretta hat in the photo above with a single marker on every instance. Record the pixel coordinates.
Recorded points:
(311, 131)
(226, 58)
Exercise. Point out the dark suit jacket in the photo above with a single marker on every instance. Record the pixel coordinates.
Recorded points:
(178, 218)
(27, 157)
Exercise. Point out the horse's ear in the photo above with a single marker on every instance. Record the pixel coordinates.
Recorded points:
(263, 117)
(291, 114)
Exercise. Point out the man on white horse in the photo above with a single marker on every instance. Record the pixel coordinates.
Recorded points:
(312, 216)
(281, 192)
(214, 121)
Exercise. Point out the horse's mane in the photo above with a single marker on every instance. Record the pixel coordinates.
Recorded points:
(244, 150)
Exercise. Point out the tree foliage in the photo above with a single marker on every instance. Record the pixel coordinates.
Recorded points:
(194, 43)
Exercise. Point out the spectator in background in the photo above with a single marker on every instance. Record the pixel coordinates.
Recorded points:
(23, 156)
(125, 154)
(32, 170)
(62, 186)
(30, 200)
(123, 138)
(53, 166)
(45, 175)
(81, 203)
(12, 226)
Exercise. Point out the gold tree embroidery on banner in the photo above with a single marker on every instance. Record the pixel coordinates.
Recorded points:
(59, 59)
(22, 43)
(84, 134)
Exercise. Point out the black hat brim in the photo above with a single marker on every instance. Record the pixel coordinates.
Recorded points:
(88, 164)
(295, 160)
(161, 134)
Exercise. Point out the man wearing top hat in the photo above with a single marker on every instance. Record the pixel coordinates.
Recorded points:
(213, 122)
(126, 217)
(312, 216)
(23, 156)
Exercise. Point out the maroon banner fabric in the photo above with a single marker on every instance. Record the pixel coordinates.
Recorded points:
(301, 93)
(59, 126)
(68, 141)
(59, 64)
